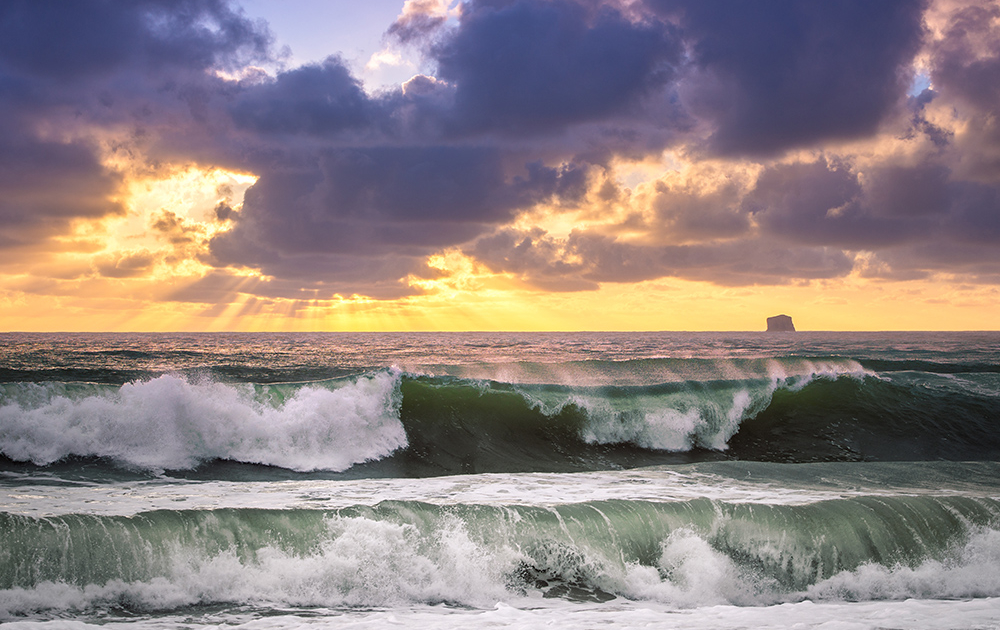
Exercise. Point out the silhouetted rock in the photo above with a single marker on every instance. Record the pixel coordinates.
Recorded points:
(780, 323)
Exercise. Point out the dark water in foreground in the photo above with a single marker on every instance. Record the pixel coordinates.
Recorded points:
(513, 479)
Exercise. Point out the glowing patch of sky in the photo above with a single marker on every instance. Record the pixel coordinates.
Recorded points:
(921, 81)
(315, 29)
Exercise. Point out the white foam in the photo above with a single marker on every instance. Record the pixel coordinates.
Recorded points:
(171, 423)
(558, 615)
(690, 574)
(677, 422)
(973, 570)
(363, 563)
(912, 614)
(683, 420)
(499, 489)
(664, 428)
(360, 563)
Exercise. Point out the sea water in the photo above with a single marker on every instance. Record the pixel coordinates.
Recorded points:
(576, 480)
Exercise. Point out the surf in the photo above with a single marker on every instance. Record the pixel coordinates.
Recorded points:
(683, 553)
(522, 417)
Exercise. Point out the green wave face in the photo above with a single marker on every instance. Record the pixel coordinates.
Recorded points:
(589, 415)
(686, 553)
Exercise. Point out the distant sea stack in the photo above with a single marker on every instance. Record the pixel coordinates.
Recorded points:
(780, 323)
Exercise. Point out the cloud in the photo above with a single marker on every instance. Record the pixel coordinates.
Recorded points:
(778, 139)
(419, 20)
(314, 100)
(818, 204)
(684, 211)
(584, 260)
(45, 185)
(70, 73)
(804, 220)
(966, 60)
(785, 74)
(80, 40)
(358, 209)
(530, 67)
(125, 265)
(832, 204)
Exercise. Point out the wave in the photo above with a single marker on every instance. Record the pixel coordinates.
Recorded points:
(171, 423)
(650, 371)
(540, 419)
(691, 553)
(931, 367)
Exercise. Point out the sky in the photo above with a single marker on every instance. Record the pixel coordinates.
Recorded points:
(205, 165)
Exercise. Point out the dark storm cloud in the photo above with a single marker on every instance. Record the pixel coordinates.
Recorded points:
(831, 204)
(916, 191)
(535, 257)
(819, 204)
(967, 61)
(419, 185)
(786, 73)
(45, 185)
(79, 39)
(536, 67)
(975, 214)
(965, 74)
(798, 221)
(313, 100)
(686, 215)
(916, 219)
(358, 201)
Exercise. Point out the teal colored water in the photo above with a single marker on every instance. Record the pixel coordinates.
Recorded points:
(266, 479)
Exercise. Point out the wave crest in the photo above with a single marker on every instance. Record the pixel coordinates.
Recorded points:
(171, 423)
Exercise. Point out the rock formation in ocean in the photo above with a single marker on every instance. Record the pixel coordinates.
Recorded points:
(780, 323)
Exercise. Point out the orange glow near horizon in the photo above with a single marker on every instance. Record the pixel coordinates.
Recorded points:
(121, 273)
(658, 305)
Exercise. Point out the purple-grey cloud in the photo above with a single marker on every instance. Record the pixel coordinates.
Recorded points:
(967, 61)
(68, 65)
(529, 67)
(526, 103)
(785, 74)
(313, 100)
(584, 260)
(76, 41)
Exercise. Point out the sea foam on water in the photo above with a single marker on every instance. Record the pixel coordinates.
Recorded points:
(169, 422)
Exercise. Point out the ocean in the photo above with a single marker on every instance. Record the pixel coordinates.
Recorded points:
(500, 480)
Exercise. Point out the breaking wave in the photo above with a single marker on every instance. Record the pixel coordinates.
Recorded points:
(465, 419)
(171, 423)
(686, 554)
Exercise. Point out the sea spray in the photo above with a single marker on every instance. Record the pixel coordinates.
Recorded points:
(680, 415)
(170, 422)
